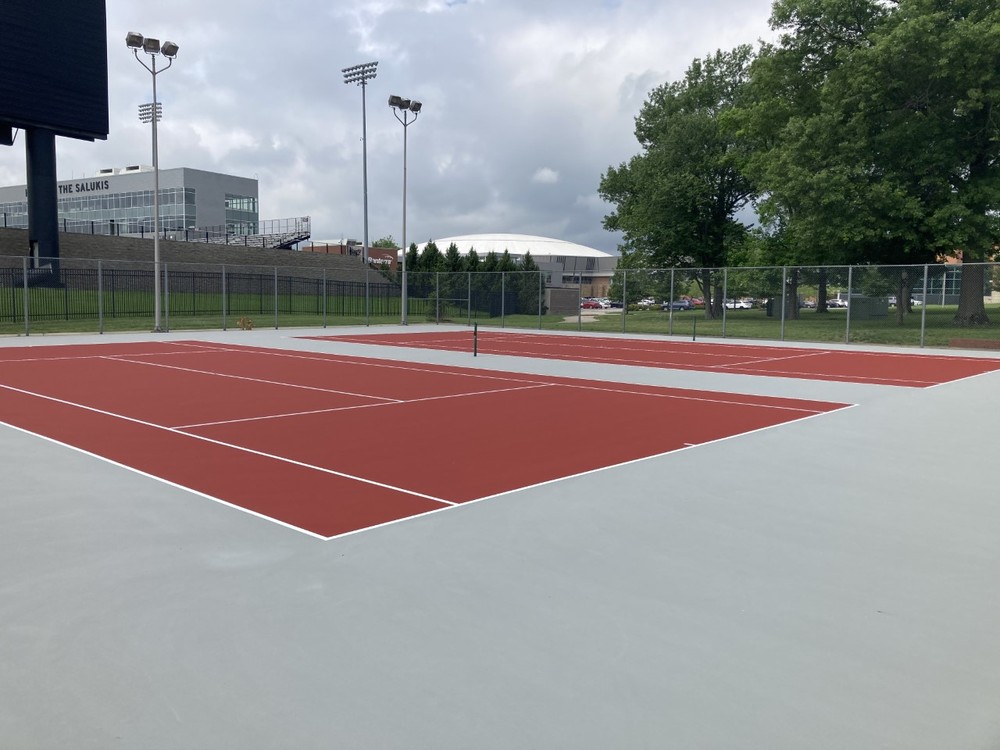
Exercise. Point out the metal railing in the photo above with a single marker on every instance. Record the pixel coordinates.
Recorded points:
(892, 305)
(266, 233)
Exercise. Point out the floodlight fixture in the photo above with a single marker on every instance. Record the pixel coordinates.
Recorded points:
(169, 49)
(150, 46)
(415, 107)
(360, 74)
(395, 101)
(133, 39)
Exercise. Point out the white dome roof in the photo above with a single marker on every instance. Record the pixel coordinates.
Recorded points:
(517, 244)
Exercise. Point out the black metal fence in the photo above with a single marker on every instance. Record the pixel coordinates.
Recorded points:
(113, 293)
(898, 305)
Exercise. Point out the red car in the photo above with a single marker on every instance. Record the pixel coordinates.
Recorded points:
(590, 304)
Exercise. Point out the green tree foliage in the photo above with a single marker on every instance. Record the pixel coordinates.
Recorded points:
(876, 138)
(431, 259)
(452, 278)
(676, 202)
(453, 261)
(472, 261)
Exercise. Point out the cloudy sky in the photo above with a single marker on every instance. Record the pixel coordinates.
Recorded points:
(526, 104)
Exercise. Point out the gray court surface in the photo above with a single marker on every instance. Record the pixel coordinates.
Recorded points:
(829, 583)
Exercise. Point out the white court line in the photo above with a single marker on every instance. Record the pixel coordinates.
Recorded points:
(858, 379)
(538, 382)
(960, 380)
(363, 406)
(167, 482)
(691, 346)
(357, 361)
(115, 358)
(224, 444)
(605, 389)
(704, 399)
(772, 359)
(541, 381)
(687, 447)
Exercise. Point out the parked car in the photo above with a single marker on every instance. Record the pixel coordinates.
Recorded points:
(616, 303)
(738, 304)
(678, 304)
(590, 304)
(836, 302)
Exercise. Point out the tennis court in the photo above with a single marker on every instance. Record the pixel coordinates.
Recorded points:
(843, 365)
(242, 425)
(265, 539)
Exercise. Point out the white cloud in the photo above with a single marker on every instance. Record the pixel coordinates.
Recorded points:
(506, 86)
(545, 176)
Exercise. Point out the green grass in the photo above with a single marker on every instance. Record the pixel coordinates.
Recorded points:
(77, 312)
(811, 326)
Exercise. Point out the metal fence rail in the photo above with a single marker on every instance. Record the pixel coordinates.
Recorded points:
(899, 305)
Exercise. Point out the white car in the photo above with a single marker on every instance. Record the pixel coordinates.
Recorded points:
(738, 304)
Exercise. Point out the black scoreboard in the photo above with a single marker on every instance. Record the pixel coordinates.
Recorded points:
(54, 67)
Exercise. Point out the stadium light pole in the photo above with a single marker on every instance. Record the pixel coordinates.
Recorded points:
(151, 113)
(407, 107)
(361, 74)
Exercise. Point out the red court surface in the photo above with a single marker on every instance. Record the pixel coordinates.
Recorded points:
(333, 444)
(877, 368)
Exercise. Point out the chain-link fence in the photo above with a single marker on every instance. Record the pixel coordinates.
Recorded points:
(925, 305)
(94, 296)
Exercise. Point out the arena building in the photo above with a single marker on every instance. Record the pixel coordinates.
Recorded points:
(119, 201)
(565, 263)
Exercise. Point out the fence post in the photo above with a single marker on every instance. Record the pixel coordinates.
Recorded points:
(541, 294)
(784, 297)
(24, 284)
(367, 293)
(437, 297)
(100, 298)
(923, 308)
(223, 296)
(624, 296)
(850, 288)
(579, 302)
(469, 297)
(503, 298)
(725, 296)
(276, 298)
(166, 299)
(324, 298)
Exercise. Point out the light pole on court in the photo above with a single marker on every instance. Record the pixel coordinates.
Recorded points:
(361, 74)
(151, 113)
(407, 107)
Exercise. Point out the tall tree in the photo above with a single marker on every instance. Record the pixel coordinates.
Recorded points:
(453, 262)
(876, 136)
(677, 201)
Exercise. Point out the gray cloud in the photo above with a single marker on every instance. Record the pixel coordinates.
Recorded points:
(515, 93)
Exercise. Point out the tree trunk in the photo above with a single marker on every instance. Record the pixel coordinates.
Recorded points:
(821, 294)
(902, 299)
(971, 305)
(792, 295)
